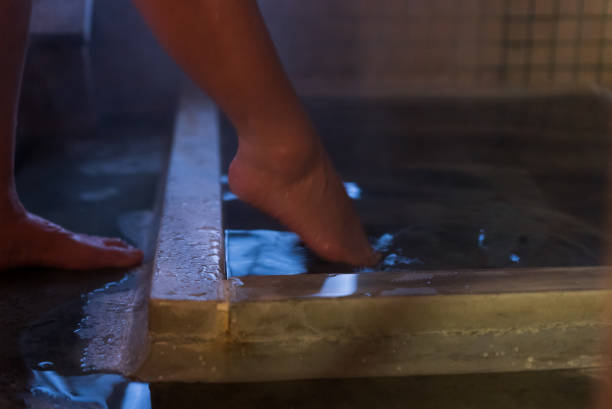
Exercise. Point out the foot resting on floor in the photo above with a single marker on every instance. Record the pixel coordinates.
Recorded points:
(27, 240)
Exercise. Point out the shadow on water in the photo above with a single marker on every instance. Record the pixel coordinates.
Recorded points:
(535, 390)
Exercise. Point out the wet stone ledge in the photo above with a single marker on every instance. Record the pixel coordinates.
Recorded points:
(204, 327)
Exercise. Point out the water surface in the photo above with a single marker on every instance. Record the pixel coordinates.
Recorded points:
(449, 184)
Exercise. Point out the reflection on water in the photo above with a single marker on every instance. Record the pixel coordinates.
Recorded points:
(99, 335)
(481, 238)
(352, 190)
(432, 220)
(383, 242)
(488, 192)
(341, 285)
(264, 252)
(227, 196)
(108, 391)
(68, 343)
(393, 260)
(418, 247)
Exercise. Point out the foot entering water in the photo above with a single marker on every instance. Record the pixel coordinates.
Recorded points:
(299, 187)
(27, 240)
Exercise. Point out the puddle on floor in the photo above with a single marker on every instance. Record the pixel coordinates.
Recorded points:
(70, 349)
(66, 334)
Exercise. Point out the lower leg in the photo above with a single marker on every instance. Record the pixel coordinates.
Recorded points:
(14, 19)
(25, 239)
(281, 166)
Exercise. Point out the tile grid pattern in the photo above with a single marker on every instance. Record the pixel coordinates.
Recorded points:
(562, 42)
(396, 44)
(534, 42)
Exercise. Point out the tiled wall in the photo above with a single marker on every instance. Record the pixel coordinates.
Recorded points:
(392, 46)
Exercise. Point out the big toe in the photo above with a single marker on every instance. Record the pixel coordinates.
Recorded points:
(355, 252)
(114, 252)
(124, 257)
(116, 242)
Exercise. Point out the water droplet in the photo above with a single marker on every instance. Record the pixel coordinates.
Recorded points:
(352, 190)
(481, 238)
(45, 364)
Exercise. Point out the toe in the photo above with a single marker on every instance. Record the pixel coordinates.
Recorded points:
(116, 242)
(129, 257)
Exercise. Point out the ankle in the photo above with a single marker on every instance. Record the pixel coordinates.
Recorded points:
(274, 124)
(287, 160)
(11, 209)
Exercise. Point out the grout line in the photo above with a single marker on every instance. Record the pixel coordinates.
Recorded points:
(578, 40)
(503, 68)
(480, 41)
(529, 43)
(554, 42)
(602, 42)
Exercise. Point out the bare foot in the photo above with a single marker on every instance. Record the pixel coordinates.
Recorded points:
(298, 186)
(27, 240)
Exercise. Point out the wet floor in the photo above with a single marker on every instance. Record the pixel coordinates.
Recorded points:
(57, 327)
(452, 183)
(62, 331)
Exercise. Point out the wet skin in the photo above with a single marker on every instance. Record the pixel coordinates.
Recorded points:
(28, 240)
(281, 166)
(298, 185)
(25, 239)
